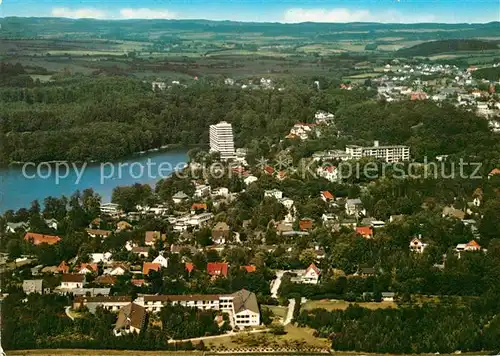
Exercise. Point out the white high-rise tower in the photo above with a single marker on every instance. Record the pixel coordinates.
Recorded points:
(221, 140)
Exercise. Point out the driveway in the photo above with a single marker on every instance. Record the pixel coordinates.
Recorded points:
(66, 310)
(276, 284)
(289, 313)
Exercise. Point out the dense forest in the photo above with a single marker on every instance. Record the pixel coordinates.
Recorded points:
(110, 117)
(443, 46)
(105, 118)
(443, 327)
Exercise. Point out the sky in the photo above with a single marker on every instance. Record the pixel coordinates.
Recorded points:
(286, 11)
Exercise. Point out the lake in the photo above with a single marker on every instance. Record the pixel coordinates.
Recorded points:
(19, 185)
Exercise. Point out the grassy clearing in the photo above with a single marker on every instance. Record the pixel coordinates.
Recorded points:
(342, 305)
(277, 310)
(295, 336)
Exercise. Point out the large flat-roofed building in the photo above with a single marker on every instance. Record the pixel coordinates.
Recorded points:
(221, 140)
(388, 154)
(242, 305)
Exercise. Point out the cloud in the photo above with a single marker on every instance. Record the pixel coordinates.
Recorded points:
(144, 13)
(78, 13)
(346, 15)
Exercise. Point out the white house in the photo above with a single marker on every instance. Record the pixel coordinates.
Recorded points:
(199, 219)
(101, 257)
(179, 197)
(311, 276)
(330, 173)
(470, 246)
(417, 246)
(141, 251)
(222, 191)
(161, 260)
(72, 281)
(115, 271)
(201, 190)
(286, 202)
(274, 193)
(12, 227)
(52, 223)
(354, 207)
(250, 179)
(110, 208)
(329, 218)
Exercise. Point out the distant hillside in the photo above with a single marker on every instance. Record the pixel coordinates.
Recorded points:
(435, 47)
(144, 30)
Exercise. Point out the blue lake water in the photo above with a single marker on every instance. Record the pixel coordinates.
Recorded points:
(20, 186)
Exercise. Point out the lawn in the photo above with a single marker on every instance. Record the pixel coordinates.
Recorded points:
(294, 337)
(342, 305)
(277, 310)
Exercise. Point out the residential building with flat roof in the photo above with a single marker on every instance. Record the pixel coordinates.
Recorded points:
(221, 140)
(388, 154)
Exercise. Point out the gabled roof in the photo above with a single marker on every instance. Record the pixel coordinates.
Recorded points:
(217, 268)
(494, 171)
(73, 278)
(245, 300)
(152, 236)
(269, 169)
(305, 224)
(90, 266)
(199, 206)
(106, 280)
(149, 266)
(326, 194)
(137, 282)
(249, 268)
(364, 230)
(131, 315)
(314, 268)
(473, 244)
(189, 267)
(180, 195)
(63, 267)
(221, 226)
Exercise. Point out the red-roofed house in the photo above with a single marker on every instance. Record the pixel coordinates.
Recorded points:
(365, 231)
(470, 246)
(327, 196)
(305, 224)
(494, 172)
(87, 268)
(149, 266)
(63, 267)
(249, 268)
(38, 239)
(281, 175)
(269, 170)
(216, 269)
(311, 276)
(138, 282)
(189, 267)
(198, 206)
(420, 95)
